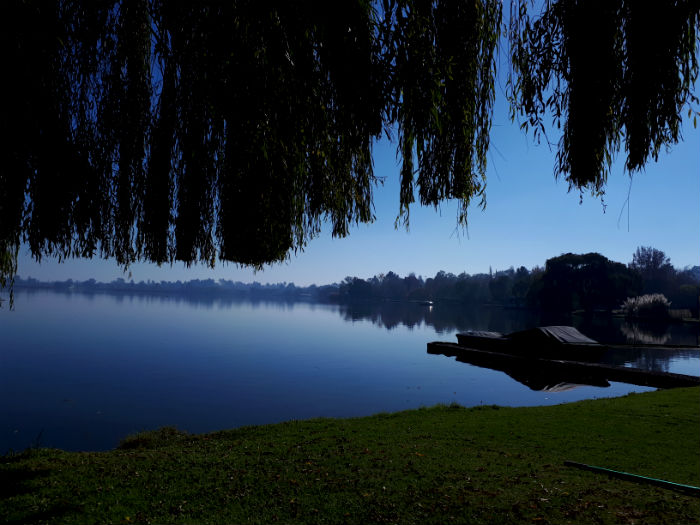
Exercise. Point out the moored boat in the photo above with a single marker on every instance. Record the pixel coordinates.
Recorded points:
(551, 342)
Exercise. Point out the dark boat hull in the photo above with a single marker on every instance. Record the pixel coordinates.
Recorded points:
(591, 352)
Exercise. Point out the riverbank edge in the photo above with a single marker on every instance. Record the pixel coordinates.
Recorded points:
(432, 465)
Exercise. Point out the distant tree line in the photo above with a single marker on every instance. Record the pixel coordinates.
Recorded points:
(194, 287)
(567, 282)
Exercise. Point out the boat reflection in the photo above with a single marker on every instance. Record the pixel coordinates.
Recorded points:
(555, 374)
(553, 380)
(537, 376)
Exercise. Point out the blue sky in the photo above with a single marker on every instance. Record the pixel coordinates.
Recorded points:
(529, 218)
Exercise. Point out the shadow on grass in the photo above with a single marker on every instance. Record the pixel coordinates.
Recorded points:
(15, 482)
(49, 515)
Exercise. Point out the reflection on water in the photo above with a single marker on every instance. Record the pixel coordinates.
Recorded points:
(199, 300)
(562, 375)
(444, 318)
(83, 371)
(451, 318)
(677, 360)
(448, 319)
(548, 380)
(654, 334)
(545, 377)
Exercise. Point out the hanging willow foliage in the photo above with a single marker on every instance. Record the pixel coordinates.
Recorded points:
(167, 130)
(604, 70)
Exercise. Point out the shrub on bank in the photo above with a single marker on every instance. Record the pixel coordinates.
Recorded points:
(651, 306)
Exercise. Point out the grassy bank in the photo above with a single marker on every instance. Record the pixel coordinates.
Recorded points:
(436, 465)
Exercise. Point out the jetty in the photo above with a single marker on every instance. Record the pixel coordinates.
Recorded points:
(543, 365)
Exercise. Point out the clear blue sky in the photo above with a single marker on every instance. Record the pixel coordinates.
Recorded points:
(529, 218)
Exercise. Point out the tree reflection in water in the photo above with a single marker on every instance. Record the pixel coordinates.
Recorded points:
(449, 318)
(651, 334)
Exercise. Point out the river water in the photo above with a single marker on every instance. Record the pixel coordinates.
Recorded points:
(80, 372)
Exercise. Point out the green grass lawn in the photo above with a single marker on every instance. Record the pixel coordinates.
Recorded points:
(435, 465)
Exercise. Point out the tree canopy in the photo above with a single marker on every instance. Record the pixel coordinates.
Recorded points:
(586, 281)
(166, 131)
(606, 71)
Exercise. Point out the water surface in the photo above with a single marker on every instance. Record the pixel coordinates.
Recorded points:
(80, 372)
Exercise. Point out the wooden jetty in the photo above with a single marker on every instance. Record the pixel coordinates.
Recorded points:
(585, 372)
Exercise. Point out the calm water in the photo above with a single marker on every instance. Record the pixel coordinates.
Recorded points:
(80, 372)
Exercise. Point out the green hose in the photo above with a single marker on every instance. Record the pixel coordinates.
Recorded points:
(688, 489)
